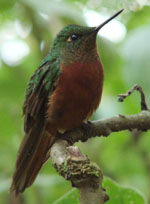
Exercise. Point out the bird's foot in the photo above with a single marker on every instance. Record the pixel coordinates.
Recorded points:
(86, 128)
(65, 136)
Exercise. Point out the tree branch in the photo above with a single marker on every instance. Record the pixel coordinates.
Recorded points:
(105, 127)
(76, 167)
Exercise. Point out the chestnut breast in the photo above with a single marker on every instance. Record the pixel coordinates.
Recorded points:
(77, 94)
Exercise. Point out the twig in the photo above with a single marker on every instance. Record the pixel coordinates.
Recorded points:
(138, 88)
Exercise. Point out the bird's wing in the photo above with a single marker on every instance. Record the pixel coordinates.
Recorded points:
(40, 87)
(36, 142)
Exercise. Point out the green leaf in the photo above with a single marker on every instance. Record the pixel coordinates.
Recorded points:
(70, 197)
(122, 195)
(117, 195)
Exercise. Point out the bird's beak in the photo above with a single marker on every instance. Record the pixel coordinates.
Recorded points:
(105, 22)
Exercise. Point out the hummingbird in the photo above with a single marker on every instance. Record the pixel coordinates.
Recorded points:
(61, 95)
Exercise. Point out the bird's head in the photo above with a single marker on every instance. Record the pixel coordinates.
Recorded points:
(74, 42)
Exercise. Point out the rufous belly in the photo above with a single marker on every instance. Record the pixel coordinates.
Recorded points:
(76, 96)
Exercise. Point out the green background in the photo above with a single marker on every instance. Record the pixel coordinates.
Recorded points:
(124, 156)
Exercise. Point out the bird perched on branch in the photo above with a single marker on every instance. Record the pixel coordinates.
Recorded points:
(61, 95)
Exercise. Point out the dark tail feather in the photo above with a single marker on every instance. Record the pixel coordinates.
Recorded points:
(31, 156)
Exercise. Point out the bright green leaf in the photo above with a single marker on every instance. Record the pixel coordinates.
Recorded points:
(117, 195)
(70, 197)
(122, 195)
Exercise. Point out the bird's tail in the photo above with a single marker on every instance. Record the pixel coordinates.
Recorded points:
(33, 152)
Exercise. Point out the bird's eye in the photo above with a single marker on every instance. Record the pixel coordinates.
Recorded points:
(73, 37)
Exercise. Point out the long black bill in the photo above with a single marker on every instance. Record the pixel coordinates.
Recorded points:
(109, 19)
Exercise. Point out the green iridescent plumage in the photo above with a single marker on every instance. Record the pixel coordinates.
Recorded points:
(40, 87)
(45, 75)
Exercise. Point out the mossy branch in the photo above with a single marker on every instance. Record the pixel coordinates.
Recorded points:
(76, 167)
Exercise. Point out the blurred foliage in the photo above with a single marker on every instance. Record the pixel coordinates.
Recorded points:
(116, 193)
(124, 156)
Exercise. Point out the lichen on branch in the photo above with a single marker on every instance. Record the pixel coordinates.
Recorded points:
(77, 168)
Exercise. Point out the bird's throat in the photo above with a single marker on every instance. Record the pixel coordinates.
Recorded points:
(80, 56)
